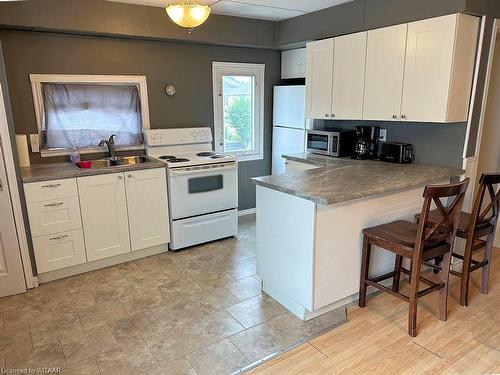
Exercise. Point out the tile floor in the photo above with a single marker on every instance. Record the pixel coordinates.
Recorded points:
(198, 311)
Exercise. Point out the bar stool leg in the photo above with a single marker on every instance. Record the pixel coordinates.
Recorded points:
(487, 258)
(464, 282)
(412, 310)
(397, 273)
(365, 266)
(444, 276)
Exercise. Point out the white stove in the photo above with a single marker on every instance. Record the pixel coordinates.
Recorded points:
(202, 185)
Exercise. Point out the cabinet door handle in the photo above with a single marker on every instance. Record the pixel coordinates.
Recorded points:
(403, 116)
(326, 115)
(130, 175)
(51, 186)
(394, 116)
(120, 177)
(58, 237)
(54, 204)
(333, 115)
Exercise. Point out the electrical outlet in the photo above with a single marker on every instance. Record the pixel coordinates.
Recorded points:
(35, 143)
(383, 135)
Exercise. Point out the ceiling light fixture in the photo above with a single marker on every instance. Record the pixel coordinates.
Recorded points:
(188, 15)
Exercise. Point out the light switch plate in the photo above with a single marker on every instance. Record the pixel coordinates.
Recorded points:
(35, 143)
(383, 135)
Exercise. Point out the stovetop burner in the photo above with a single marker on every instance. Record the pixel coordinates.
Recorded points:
(206, 153)
(177, 160)
(217, 156)
(167, 157)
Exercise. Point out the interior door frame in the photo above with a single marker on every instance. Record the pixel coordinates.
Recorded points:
(10, 168)
(491, 54)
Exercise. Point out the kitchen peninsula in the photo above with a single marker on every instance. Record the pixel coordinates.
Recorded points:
(309, 224)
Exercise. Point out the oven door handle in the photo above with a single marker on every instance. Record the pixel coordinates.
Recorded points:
(192, 171)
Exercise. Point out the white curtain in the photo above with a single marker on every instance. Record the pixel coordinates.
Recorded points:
(80, 115)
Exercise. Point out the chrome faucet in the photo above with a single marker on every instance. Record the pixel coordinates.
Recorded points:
(111, 145)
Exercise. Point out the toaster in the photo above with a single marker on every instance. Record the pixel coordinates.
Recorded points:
(396, 152)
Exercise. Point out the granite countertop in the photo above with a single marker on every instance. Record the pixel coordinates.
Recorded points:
(341, 179)
(58, 171)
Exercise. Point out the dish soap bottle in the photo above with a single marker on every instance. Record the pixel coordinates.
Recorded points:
(74, 157)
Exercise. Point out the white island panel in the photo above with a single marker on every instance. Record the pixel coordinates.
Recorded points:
(339, 238)
(285, 240)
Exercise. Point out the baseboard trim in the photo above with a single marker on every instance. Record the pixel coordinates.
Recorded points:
(249, 211)
(102, 263)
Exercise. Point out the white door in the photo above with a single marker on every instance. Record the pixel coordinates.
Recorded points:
(147, 208)
(11, 269)
(319, 79)
(385, 60)
(349, 64)
(286, 141)
(429, 56)
(289, 104)
(104, 213)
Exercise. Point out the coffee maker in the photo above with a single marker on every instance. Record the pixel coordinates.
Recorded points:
(366, 146)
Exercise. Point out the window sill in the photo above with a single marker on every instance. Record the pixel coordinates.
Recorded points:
(45, 153)
(249, 157)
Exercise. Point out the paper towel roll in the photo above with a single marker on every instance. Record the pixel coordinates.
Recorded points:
(22, 150)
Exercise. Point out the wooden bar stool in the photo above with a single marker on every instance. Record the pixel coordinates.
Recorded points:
(481, 222)
(418, 242)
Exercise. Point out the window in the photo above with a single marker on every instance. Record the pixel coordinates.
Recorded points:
(239, 109)
(78, 111)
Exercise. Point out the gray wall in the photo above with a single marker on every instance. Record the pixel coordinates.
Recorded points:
(107, 17)
(360, 15)
(188, 66)
(437, 144)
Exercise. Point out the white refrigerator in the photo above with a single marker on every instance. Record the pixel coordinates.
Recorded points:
(289, 124)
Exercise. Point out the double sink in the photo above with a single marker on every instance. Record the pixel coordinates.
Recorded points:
(114, 162)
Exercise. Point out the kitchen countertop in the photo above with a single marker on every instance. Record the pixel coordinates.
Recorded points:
(58, 171)
(342, 179)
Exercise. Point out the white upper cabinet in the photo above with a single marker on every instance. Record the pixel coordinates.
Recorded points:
(385, 61)
(319, 79)
(147, 208)
(293, 63)
(349, 76)
(421, 72)
(104, 212)
(440, 56)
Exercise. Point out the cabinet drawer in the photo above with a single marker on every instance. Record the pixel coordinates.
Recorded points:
(60, 250)
(48, 190)
(54, 216)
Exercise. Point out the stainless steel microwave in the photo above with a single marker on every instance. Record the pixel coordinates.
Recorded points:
(338, 142)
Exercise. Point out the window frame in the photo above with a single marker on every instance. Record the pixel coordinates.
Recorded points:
(36, 88)
(220, 69)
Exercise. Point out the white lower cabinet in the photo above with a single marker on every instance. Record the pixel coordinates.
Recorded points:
(79, 220)
(147, 208)
(104, 213)
(56, 225)
(60, 250)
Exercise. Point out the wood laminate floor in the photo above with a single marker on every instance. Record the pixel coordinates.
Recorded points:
(374, 341)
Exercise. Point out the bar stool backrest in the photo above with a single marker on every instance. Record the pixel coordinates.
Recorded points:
(489, 215)
(446, 227)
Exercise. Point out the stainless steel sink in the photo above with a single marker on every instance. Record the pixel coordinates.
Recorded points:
(119, 161)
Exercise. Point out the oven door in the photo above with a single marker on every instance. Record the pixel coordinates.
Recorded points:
(202, 189)
(319, 142)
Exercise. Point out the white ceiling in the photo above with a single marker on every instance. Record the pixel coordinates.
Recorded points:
(273, 10)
